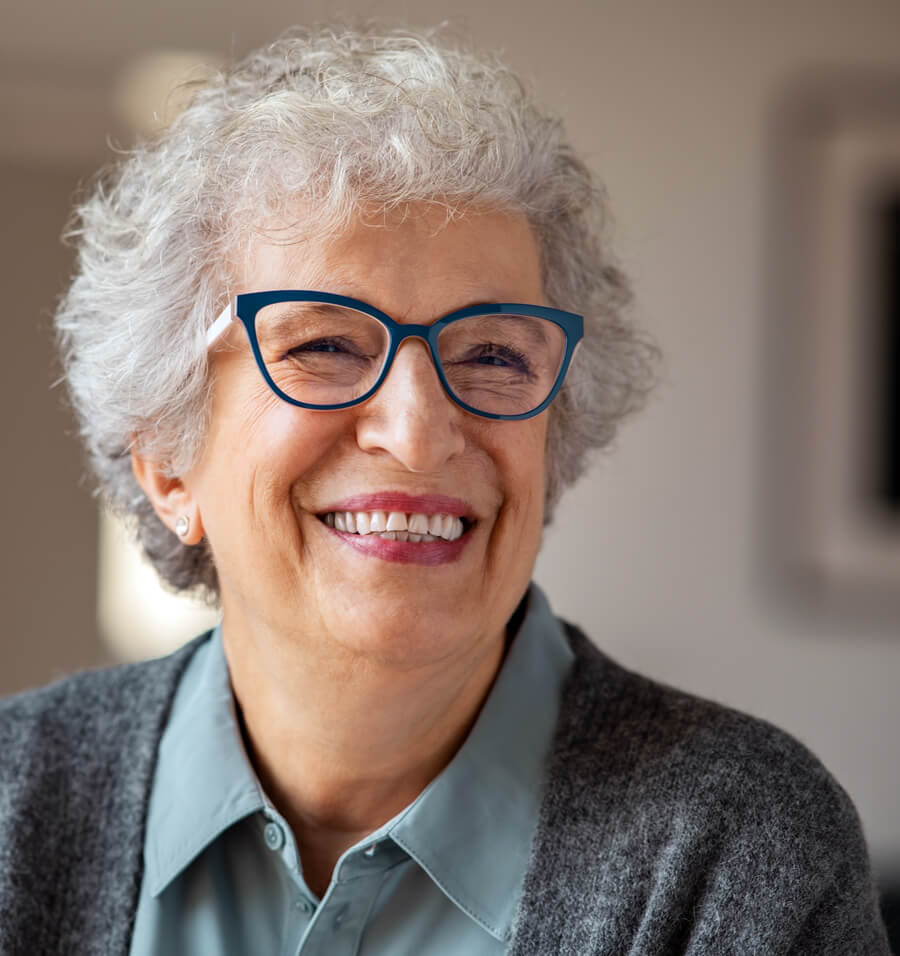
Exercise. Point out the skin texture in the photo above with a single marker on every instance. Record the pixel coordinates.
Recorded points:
(367, 673)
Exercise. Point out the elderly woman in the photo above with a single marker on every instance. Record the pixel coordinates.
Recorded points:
(322, 342)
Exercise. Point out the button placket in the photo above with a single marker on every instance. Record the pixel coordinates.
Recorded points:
(340, 916)
(337, 925)
(273, 834)
(304, 906)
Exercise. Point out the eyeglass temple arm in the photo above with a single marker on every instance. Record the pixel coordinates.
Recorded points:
(226, 316)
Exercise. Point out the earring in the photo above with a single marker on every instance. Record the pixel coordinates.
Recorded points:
(182, 526)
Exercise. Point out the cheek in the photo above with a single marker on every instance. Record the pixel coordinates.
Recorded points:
(287, 442)
(529, 458)
(259, 447)
(522, 461)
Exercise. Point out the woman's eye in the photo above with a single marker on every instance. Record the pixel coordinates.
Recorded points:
(502, 357)
(319, 346)
(492, 360)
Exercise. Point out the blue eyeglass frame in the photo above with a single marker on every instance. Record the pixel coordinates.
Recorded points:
(246, 307)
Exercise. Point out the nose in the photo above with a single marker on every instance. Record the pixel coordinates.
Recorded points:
(411, 417)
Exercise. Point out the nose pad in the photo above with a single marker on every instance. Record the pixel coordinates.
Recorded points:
(411, 416)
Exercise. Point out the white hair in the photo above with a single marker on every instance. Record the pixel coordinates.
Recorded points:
(343, 119)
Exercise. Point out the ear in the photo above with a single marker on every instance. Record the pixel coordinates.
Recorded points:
(169, 496)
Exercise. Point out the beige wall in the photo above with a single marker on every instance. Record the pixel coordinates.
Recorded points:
(657, 553)
(48, 566)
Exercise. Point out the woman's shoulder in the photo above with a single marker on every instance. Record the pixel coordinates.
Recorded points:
(76, 761)
(90, 704)
(675, 823)
(681, 750)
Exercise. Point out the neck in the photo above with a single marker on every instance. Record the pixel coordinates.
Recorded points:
(342, 744)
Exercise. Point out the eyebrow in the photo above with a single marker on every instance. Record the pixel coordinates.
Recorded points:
(289, 312)
(533, 327)
(351, 291)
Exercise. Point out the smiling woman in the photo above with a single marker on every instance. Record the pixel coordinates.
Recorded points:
(339, 393)
(397, 449)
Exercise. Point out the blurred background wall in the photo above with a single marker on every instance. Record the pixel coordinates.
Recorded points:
(661, 552)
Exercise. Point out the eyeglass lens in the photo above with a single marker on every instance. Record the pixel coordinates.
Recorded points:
(320, 353)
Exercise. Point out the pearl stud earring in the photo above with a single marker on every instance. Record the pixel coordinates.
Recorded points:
(182, 525)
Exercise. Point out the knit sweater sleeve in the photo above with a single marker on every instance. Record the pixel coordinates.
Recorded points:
(785, 865)
(672, 825)
(844, 918)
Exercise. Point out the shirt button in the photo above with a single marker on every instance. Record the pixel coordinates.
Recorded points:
(273, 835)
(304, 906)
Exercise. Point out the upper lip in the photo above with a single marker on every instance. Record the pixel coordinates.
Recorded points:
(401, 501)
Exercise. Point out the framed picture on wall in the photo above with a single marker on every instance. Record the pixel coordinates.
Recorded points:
(833, 348)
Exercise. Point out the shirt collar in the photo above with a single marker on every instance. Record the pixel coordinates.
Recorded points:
(204, 782)
(471, 829)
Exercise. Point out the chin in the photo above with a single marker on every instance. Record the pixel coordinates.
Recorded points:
(410, 638)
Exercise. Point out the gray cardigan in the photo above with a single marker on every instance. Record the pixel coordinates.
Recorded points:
(669, 824)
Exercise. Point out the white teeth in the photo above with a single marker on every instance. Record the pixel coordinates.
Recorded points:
(396, 521)
(418, 523)
(397, 526)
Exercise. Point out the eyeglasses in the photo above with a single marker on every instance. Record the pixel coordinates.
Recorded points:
(320, 350)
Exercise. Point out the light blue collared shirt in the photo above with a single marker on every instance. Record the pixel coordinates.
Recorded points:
(222, 872)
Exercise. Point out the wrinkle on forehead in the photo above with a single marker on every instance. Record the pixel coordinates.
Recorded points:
(400, 266)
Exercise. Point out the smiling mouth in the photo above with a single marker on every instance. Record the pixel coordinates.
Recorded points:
(414, 527)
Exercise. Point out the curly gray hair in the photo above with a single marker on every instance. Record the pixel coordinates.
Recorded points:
(340, 118)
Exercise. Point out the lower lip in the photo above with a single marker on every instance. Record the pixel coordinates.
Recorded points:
(429, 553)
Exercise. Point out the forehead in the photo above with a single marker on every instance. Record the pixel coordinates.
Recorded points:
(415, 262)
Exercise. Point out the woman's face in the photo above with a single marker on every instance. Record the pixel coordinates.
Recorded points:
(272, 472)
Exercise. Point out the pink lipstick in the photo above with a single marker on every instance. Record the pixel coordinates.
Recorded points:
(401, 501)
(428, 553)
